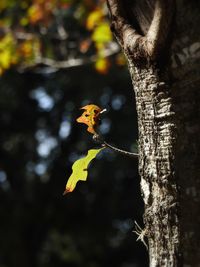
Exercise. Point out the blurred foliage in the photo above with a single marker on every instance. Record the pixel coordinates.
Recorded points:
(33, 32)
(40, 140)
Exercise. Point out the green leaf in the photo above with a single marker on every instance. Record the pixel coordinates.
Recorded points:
(80, 170)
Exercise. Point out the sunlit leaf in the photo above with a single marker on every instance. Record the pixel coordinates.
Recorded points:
(35, 13)
(94, 19)
(102, 65)
(90, 117)
(26, 48)
(102, 33)
(3, 4)
(24, 21)
(29, 49)
(7, 48)
(41, 11)
(80, 170)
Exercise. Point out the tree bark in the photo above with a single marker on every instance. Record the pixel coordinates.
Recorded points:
(165, 107)
(157, 136)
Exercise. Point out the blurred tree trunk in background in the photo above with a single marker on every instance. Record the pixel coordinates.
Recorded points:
(167, 99)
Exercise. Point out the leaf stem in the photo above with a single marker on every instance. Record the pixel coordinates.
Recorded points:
(98, 138)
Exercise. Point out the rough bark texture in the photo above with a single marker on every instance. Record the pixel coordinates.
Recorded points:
(156, 120)
(157, 136)
(168, 119)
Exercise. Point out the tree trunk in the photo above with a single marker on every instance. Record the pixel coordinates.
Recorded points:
(169, 129)
(157, 136)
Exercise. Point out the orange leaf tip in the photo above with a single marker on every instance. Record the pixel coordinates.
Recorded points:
(91, 107)
(67, 190)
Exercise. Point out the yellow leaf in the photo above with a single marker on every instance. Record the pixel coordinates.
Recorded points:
(102, 65)
(80, 170)
(29, 49)
(7, 49)
(24, 21)
(6, 59)
(35, 13)
(3, 4)
(94, 18)
(102, 33)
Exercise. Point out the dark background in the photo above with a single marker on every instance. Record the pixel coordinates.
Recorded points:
(40, 140)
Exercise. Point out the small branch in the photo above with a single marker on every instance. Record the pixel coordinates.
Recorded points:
(69, 63)
(118, 150)
(21, 35)
(98, 138)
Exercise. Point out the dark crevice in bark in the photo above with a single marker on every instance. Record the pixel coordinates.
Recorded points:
(128, 32)
(140, 14)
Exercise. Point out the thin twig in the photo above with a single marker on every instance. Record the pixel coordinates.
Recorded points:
(98, 138)
(112, 49)
(121, 151)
